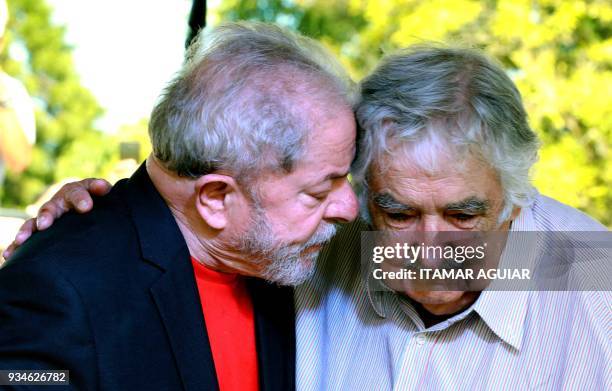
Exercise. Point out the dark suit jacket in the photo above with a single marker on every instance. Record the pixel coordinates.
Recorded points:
(111, 296)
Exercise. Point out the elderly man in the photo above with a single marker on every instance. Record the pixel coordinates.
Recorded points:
(252, 142)
(445, 147)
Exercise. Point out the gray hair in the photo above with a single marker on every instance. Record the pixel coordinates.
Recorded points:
(243, 101)
(456, 96)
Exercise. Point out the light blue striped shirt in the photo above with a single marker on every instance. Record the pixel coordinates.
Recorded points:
(352, 338)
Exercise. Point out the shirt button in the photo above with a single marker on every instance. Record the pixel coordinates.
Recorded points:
(420, 339)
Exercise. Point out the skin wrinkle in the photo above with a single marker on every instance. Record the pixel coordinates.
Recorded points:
(428, 173)
(322, 156)
(456, 95)
(196, 233)
(277, 236)
(429, 199)
(470, 205)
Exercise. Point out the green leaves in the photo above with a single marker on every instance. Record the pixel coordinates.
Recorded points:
(65, 109)
(559, 52)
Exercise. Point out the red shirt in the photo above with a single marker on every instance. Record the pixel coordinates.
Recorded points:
(228, 315)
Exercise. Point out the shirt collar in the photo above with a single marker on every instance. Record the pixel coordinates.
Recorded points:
(504, 313)
(376, 292)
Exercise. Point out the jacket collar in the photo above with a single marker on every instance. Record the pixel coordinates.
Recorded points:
(161, 241)
(274, 313)
(175, 292)
(177, 299)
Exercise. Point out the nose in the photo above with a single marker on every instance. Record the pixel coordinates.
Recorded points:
(343, 206)
(432, 223)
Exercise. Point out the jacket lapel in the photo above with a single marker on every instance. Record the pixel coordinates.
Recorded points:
(176, 296)
(275, 334)
(175, 292)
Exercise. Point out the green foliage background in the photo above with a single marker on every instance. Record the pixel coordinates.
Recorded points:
(65, 110)
(559, 52)
(67, 143)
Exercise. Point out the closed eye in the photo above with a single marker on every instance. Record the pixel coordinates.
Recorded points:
(319, 196)
(396, 216)
(464, 220)
(462, 216)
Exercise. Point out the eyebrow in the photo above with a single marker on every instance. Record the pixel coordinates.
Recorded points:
(387, 202)
(338, 175)
(330, 177)
(341, 174)
(470, 205)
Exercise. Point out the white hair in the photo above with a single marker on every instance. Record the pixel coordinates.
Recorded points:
(454, 97)
(244, 101)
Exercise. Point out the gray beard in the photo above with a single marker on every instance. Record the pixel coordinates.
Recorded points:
(284, 264)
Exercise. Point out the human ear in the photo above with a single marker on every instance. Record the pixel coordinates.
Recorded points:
(215, 196)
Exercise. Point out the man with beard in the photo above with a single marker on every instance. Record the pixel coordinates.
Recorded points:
(445, 147)
(171, 281)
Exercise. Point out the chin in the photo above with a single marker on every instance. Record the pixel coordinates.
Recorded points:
(435, 297)
(444, 302)
(293, 270)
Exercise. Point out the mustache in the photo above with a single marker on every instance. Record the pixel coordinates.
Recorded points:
(322, 235)
(288, 265)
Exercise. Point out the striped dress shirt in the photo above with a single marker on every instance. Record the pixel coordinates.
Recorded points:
(353, 338)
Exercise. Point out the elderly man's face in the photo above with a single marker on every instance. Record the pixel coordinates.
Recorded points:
(297, 212)
(451, 194)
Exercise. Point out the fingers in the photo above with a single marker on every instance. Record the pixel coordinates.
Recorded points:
(9, 251)
(78, 195)
(46, 216)
(54, 208)
(99, 187)
(25, 231)
(72, 196)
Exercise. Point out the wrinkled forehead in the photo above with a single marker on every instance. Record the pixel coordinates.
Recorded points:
(434, 150)
(432, 169)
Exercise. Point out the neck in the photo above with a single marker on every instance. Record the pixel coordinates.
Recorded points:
(431, 318)
(206, 244)
(180, 194)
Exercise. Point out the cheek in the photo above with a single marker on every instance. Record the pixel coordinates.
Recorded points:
(240, 218)
(487, 223)
(296, 225)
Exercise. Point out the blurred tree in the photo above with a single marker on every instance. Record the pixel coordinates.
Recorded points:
(37, 55)
(559, 52)
(137, 133)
